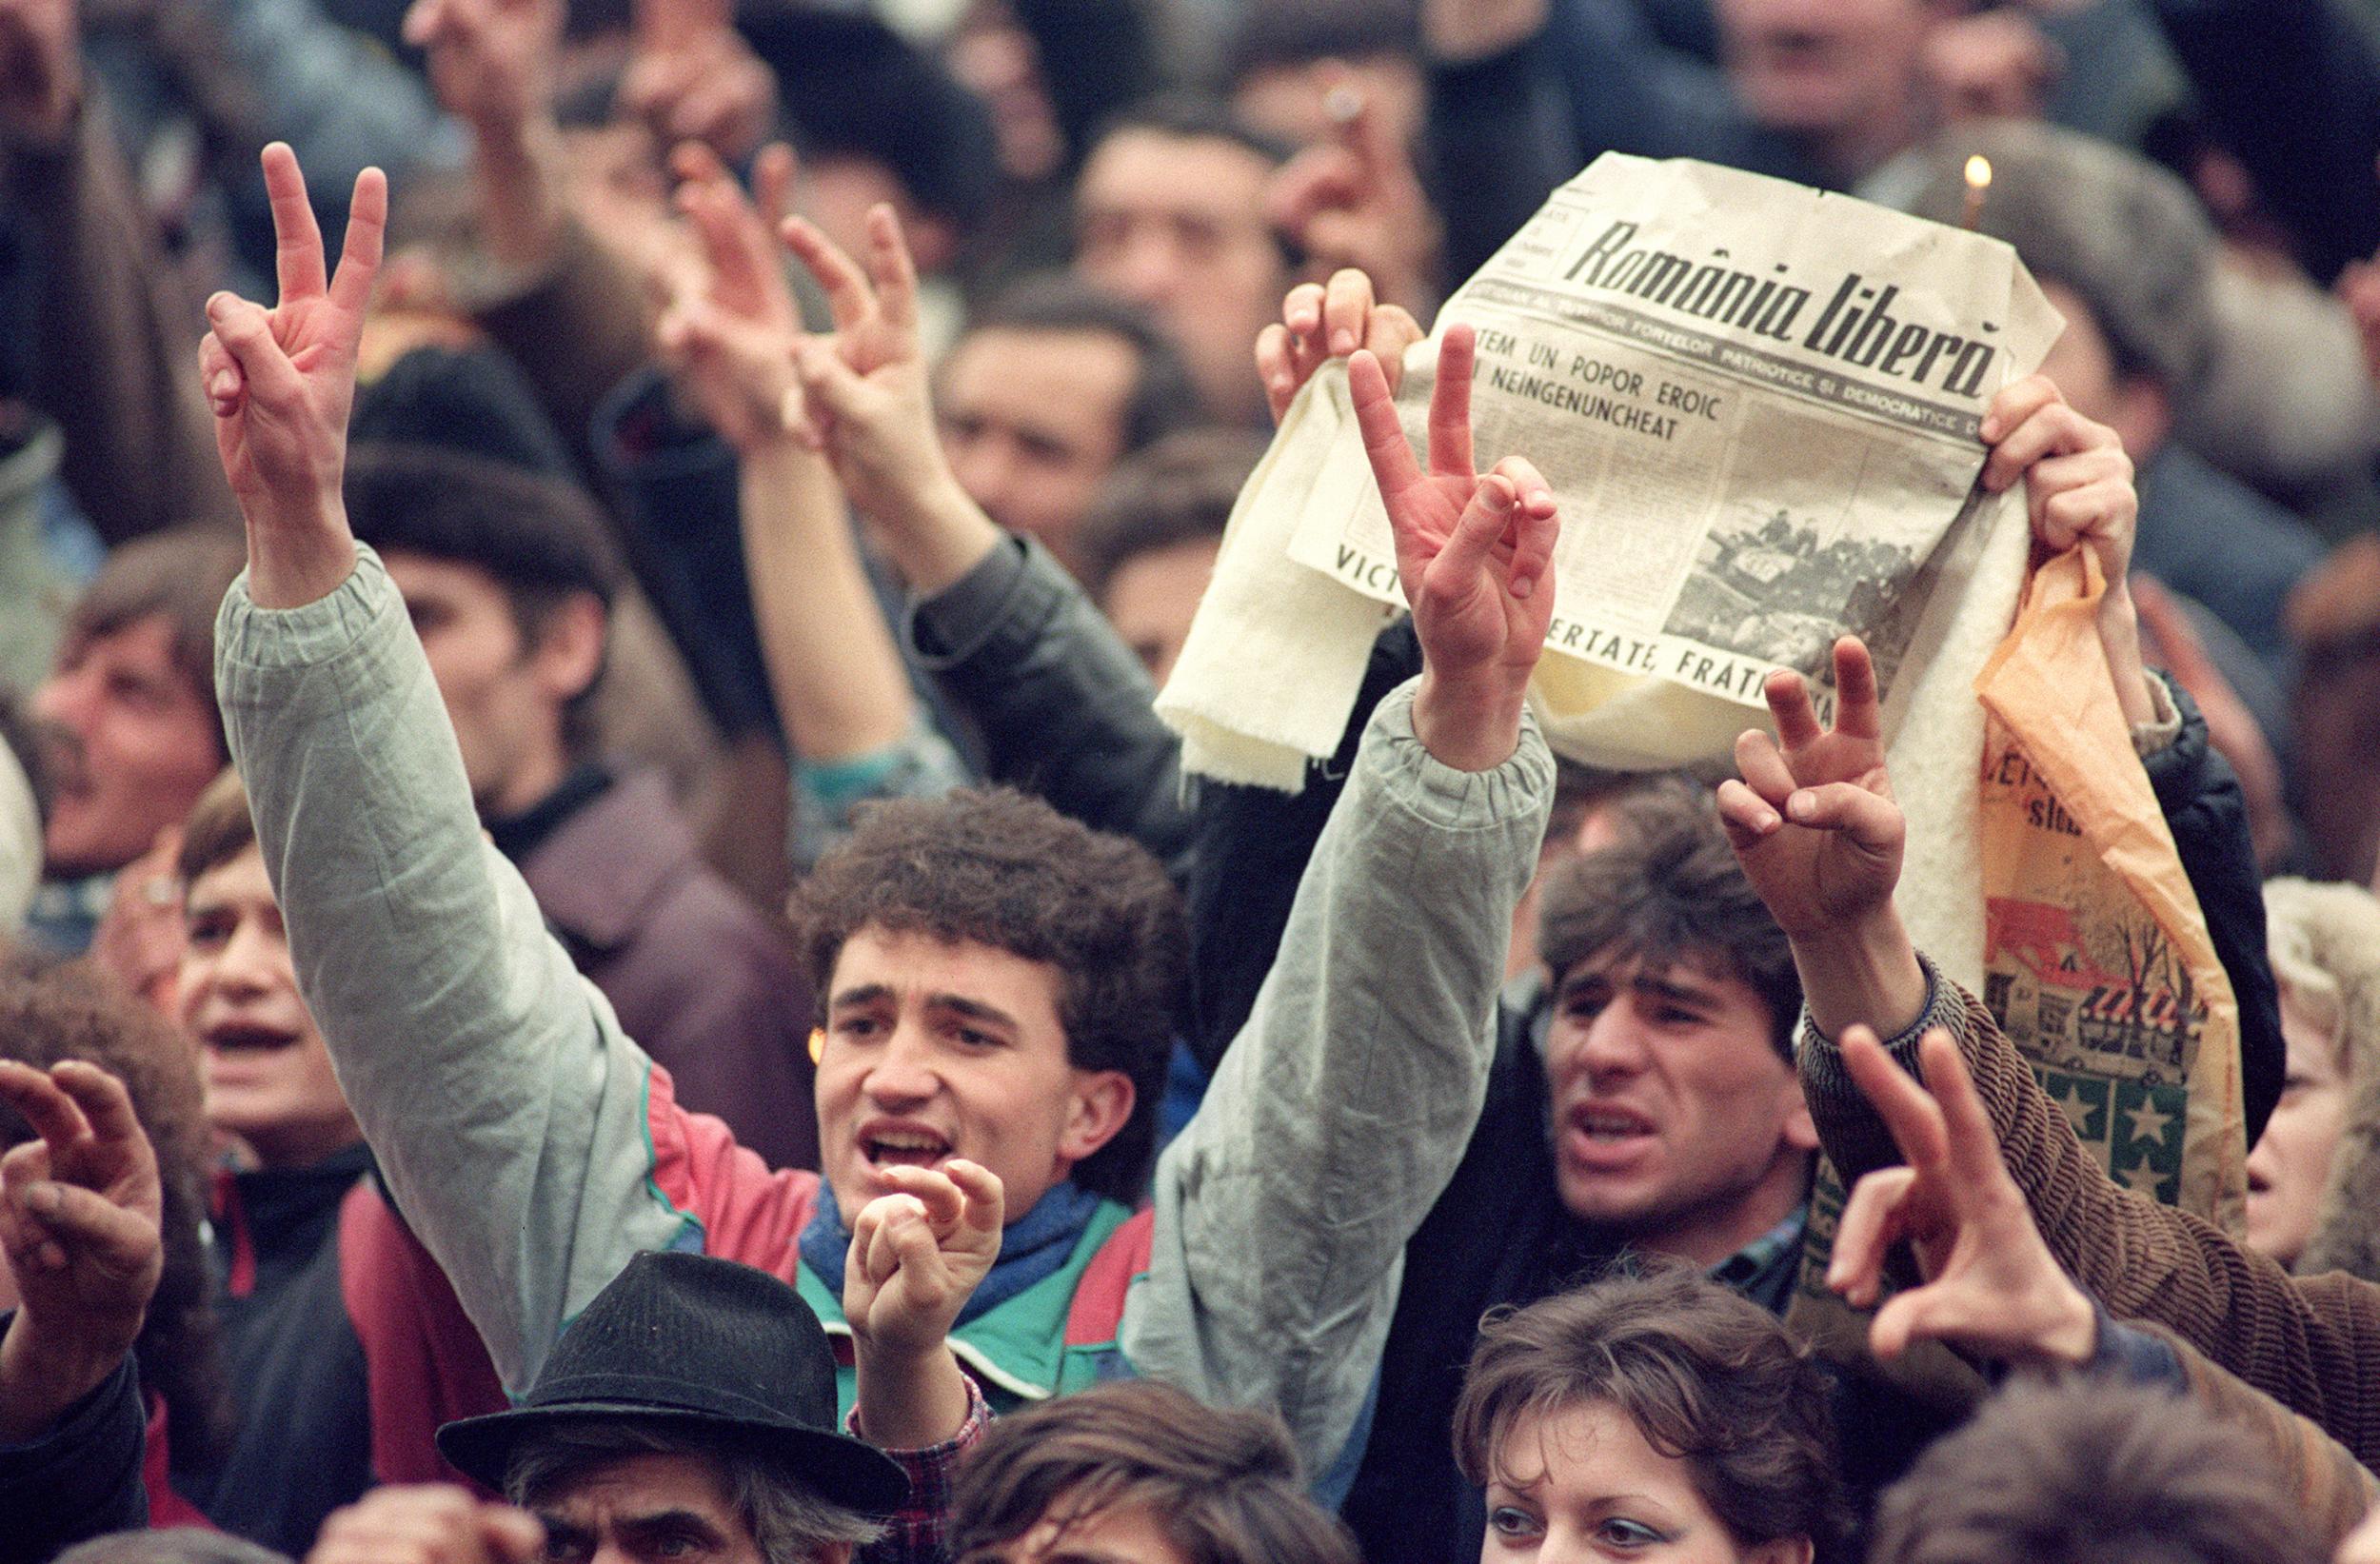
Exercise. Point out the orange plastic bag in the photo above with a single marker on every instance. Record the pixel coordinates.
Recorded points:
(2098, 963)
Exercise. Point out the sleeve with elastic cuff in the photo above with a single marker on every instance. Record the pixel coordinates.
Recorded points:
(512, 1115)
(1344, 1104)
(827, 796)
(1854, 1135)
(2312, 1344)
(81, 1479)
(919, 1532)
(2163, 725)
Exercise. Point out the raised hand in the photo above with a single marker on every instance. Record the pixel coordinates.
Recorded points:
(1472, 553)
(868, 406)
(2078, 491)
(281, 381)
(80, 1209)
(1992, 1286)
(692, 77)
(429, 1523)
(1814, 824)
(1323, 322)
(141, 938)
(731, 343)
(2078, 482)
(1813, 819)
(1353, 199)
(492, 62)
(916, 1256)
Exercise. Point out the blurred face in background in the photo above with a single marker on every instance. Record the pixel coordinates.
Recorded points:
(2291, 1163)
(267, 1075)
(130, 745)
(1153, 597)
(1177, 223)
(1032, 420)
(506, 691)
(1825, 69)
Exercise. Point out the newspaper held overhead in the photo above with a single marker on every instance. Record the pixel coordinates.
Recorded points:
(1756, 402)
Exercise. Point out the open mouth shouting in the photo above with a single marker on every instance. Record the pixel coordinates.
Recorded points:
(248, 1038)
(1604, 1133)
(902, 1142)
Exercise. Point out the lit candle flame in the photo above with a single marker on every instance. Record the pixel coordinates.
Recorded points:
(1978, 181)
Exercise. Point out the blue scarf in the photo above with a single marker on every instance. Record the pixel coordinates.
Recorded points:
(1033, 1248)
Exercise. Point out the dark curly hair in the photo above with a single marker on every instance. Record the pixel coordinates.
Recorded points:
(1707, 1375)
(995, 866)
(1223, 1483)
(52, 1011)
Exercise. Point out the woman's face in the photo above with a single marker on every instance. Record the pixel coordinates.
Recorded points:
(2291, 1163)
(1580, 1483)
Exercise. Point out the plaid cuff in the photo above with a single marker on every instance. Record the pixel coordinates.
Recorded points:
(916, 1532)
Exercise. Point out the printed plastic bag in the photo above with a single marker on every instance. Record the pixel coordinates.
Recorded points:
(2097, 960)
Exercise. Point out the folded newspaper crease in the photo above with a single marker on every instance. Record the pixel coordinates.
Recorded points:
(1758, 406)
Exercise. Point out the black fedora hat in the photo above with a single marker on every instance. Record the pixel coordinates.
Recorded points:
(705, 1344)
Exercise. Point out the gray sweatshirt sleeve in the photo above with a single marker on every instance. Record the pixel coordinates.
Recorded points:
(504, 1105)
(1345, 1102)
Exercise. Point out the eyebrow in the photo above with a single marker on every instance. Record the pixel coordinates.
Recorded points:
(562, 1535)
(1594, 1501)
(1643, 982)
(669, 1520)
(972, 1009)
(959, 1003)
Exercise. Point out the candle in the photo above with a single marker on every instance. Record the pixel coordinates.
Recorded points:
(1978, 183)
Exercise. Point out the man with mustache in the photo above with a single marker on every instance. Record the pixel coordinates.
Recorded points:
(130, 732)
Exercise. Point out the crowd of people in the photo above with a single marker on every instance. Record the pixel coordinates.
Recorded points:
(604, 954)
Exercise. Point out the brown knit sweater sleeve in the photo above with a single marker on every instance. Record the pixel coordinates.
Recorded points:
(2327, 1486)
(2314, 1344)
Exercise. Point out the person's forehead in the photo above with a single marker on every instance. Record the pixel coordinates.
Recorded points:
(139, 643)
(416, 573)
(643, 1484)
(1705, 973)
(1145, 169)
(1124, 1532)
(1019, 372)
(1155, 577)
(239, 878)
(1819, 16)
(917, 967)
(1592, 1450)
